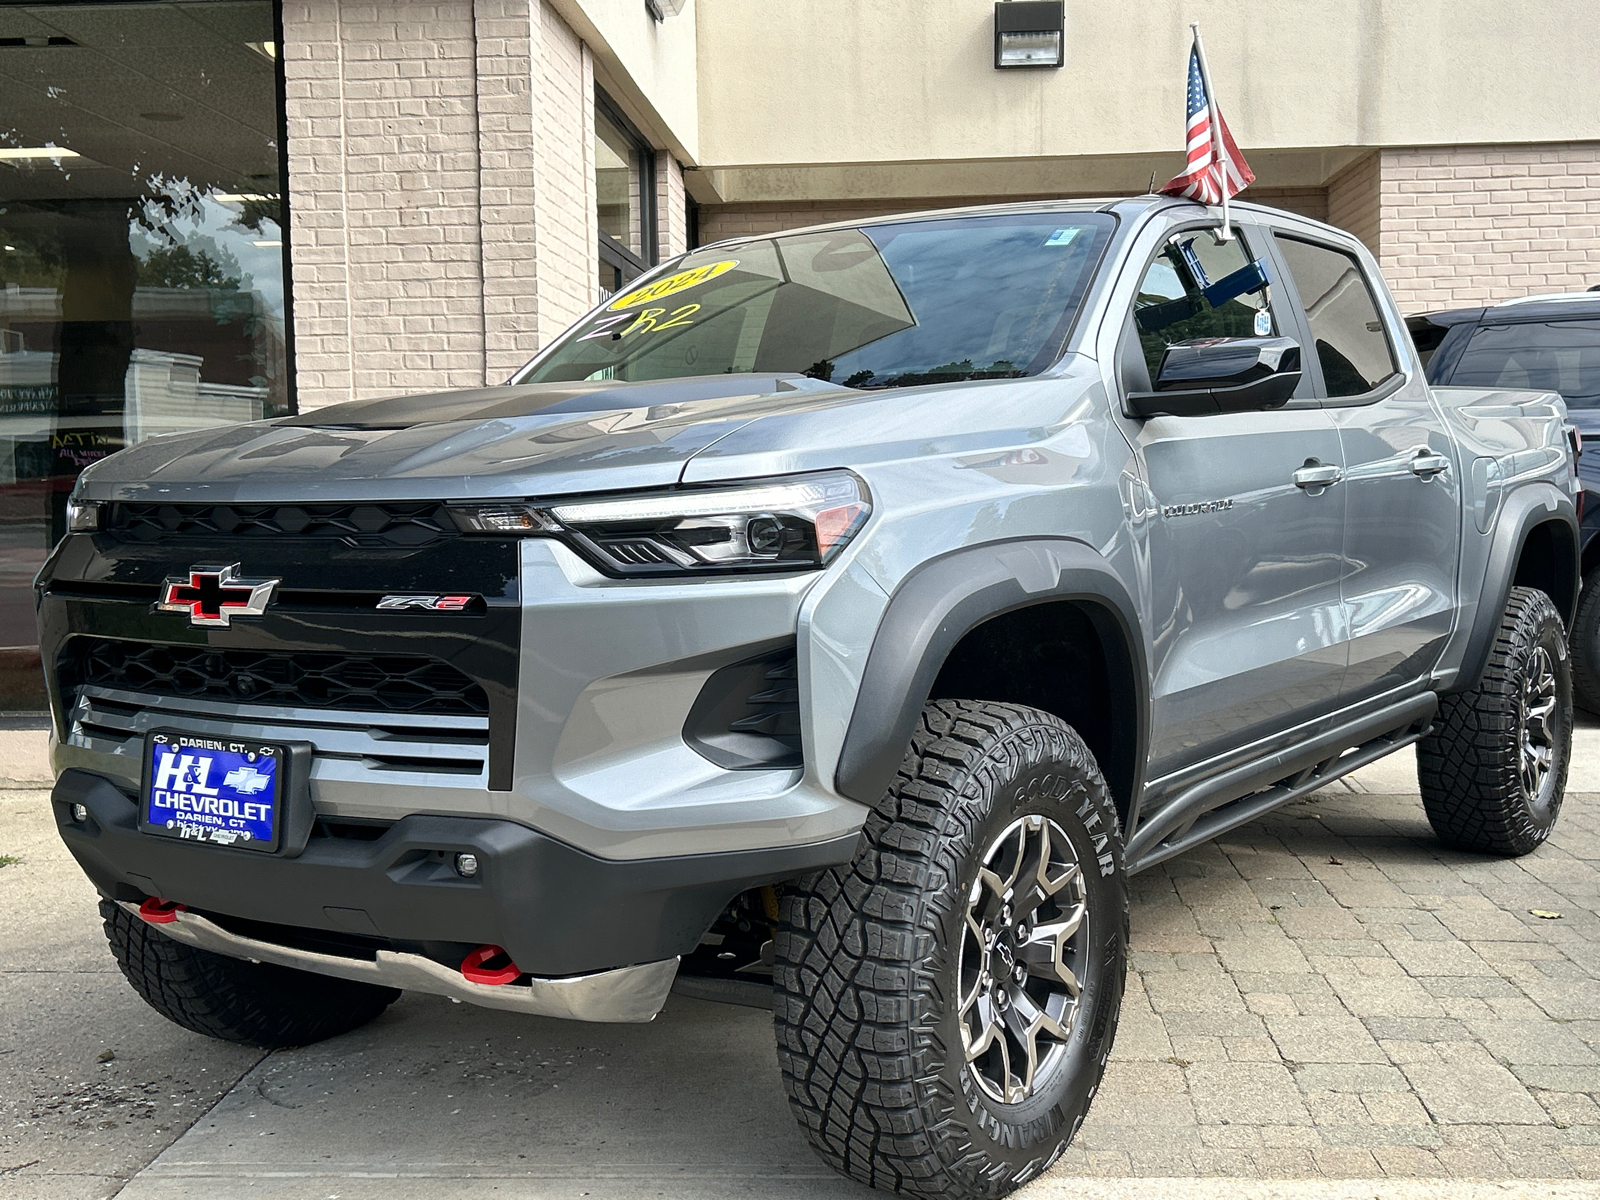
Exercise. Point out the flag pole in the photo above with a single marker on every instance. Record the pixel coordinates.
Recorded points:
(1214, 113)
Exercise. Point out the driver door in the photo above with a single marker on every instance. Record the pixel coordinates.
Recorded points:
(1244, 561)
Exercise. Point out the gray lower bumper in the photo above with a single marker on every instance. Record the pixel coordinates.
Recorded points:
(626, 994)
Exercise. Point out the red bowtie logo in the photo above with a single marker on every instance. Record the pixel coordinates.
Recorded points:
(215, 595)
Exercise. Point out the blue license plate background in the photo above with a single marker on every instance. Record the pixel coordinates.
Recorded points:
(214, 790)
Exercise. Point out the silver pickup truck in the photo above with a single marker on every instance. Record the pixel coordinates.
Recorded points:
(834, 620)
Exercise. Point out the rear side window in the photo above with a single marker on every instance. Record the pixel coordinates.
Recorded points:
(1351, 344)
(1548, 356)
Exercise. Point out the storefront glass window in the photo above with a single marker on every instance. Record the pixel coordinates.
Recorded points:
(624, 184)
(618, 178)
(142, 282)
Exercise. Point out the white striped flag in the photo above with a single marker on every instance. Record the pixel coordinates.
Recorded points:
(1215, 169)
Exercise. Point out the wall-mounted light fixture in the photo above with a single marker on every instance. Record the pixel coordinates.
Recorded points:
(1028, 33)
(662, 9)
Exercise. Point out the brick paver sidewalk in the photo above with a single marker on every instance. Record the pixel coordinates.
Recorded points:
(1328, 992)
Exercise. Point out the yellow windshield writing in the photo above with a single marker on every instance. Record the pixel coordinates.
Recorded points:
(680, 281)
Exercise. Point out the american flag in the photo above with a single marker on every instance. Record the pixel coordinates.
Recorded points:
(1208, 172)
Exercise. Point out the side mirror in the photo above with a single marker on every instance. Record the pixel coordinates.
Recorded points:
(1221, 375)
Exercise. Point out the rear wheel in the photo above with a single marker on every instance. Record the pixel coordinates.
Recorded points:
(945, 1005)
(234, 1000)
(1585, 642)
(1494, 770)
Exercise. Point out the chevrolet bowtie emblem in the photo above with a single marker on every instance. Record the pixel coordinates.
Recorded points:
(215, 595)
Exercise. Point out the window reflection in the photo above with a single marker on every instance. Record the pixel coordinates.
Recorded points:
(618, 177)
(141, 254)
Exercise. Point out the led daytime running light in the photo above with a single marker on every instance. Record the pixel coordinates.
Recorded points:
(775, 496)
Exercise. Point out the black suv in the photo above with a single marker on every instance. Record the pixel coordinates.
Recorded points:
(1549, 343)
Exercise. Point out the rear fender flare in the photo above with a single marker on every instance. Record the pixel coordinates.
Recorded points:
(941, 602)
(1520, 512)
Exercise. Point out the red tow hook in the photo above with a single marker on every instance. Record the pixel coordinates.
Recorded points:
(476, 966)
(160, 912)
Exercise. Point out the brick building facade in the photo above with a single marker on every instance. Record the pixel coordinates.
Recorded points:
(442, 185)
(441, 177)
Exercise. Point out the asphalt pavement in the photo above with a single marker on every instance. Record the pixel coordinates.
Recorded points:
(1322, 1004)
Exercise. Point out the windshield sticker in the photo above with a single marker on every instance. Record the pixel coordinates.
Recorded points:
(670, 285)
(648, 321)
(1062, 237)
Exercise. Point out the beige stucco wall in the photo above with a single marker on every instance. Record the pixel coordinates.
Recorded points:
(649, 67)
(844, 90)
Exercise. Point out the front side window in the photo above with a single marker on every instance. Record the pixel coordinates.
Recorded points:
(880, 306)
(1352, 347)
(1547, 356)
(1174, 301)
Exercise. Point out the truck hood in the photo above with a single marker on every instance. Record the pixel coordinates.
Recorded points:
(534, 439)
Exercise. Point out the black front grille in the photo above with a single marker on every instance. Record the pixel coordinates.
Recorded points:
(400, 683)
(410, 524)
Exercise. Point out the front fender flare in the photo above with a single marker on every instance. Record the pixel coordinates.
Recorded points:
(940, 603)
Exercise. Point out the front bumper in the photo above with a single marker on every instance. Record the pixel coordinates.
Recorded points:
(626, 994)
(557, 911)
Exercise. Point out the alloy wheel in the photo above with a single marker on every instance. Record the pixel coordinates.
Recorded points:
(1024, 940)
(1537, 718)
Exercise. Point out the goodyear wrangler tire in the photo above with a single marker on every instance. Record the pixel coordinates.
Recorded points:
(237, 1001)
(1494, 770)
(946, 1003)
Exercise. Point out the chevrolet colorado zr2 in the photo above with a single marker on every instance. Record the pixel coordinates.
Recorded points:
(837, 617)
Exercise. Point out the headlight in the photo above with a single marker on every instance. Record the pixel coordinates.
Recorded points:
(796, 523)
(83, 516)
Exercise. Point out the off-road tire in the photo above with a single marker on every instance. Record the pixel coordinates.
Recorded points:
(1585, 643)
(236, 1001)
(865, 995)
(1470, 765)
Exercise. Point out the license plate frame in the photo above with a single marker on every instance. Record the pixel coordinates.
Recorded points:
(213, 792)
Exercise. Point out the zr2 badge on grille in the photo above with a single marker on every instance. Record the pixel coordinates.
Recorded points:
(427, 602)
(214, 595)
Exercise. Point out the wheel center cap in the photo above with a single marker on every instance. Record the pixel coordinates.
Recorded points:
(1007, 957)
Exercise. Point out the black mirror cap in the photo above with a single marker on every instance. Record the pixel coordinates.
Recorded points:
(1219, 375)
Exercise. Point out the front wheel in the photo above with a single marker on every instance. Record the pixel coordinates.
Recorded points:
(261, 1004)
(945, 1005)
(1494, 770)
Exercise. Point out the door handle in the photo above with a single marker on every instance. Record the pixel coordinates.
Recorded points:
(1317, 475)
(1425, 464)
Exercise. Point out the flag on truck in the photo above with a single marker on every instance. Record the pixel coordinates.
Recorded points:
(1215, 169)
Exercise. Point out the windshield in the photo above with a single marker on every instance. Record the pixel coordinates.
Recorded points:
(881, 306)
(1548, 356)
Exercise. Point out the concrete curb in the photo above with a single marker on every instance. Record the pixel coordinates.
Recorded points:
(1090, 1188)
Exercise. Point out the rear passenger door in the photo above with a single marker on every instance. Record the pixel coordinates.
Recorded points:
(1400, 478)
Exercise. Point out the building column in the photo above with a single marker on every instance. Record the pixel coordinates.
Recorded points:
(672, 216)
(565, 221)
(504, 35)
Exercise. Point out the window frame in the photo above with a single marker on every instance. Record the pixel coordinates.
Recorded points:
(1311, 362)
(611, 251)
